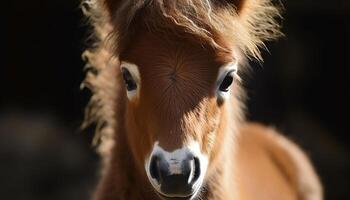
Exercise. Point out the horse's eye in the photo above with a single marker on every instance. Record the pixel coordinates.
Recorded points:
(128, 80)
(227, 82)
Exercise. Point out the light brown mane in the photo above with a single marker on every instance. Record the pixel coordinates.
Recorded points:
(207, 21)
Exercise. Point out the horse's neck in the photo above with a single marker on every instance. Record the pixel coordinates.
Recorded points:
(221, 184)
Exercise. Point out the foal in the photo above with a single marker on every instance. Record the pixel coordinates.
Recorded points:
(168, 103)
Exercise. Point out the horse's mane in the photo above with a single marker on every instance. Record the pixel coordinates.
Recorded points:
(246, 26)
(221, 24)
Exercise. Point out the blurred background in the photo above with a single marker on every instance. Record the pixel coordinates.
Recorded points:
(302, 89)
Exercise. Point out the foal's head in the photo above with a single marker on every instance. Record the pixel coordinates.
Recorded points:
(178, 92)
(179, 61)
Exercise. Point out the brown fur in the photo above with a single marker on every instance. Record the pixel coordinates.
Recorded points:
(179, 47)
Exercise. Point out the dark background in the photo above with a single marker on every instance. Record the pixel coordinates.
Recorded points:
(302, 89)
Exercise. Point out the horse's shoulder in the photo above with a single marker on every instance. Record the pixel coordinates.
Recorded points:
(277, 163)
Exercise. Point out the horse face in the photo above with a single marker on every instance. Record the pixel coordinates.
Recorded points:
(175, 114)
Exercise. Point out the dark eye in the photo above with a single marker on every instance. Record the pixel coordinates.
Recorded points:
(128, 80)
(227, 82)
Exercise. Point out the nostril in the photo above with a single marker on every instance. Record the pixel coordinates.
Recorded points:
(197, 170)
(154, 172)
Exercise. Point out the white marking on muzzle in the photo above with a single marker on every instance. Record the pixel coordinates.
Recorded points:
(174, 159)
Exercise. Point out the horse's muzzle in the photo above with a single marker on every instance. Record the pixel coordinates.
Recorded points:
(175, 175)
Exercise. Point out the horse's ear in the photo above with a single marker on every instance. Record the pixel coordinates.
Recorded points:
(112, 5)
(106, 5)
(102, 6)
(236, 3)
(243, 5)
(260, 21)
